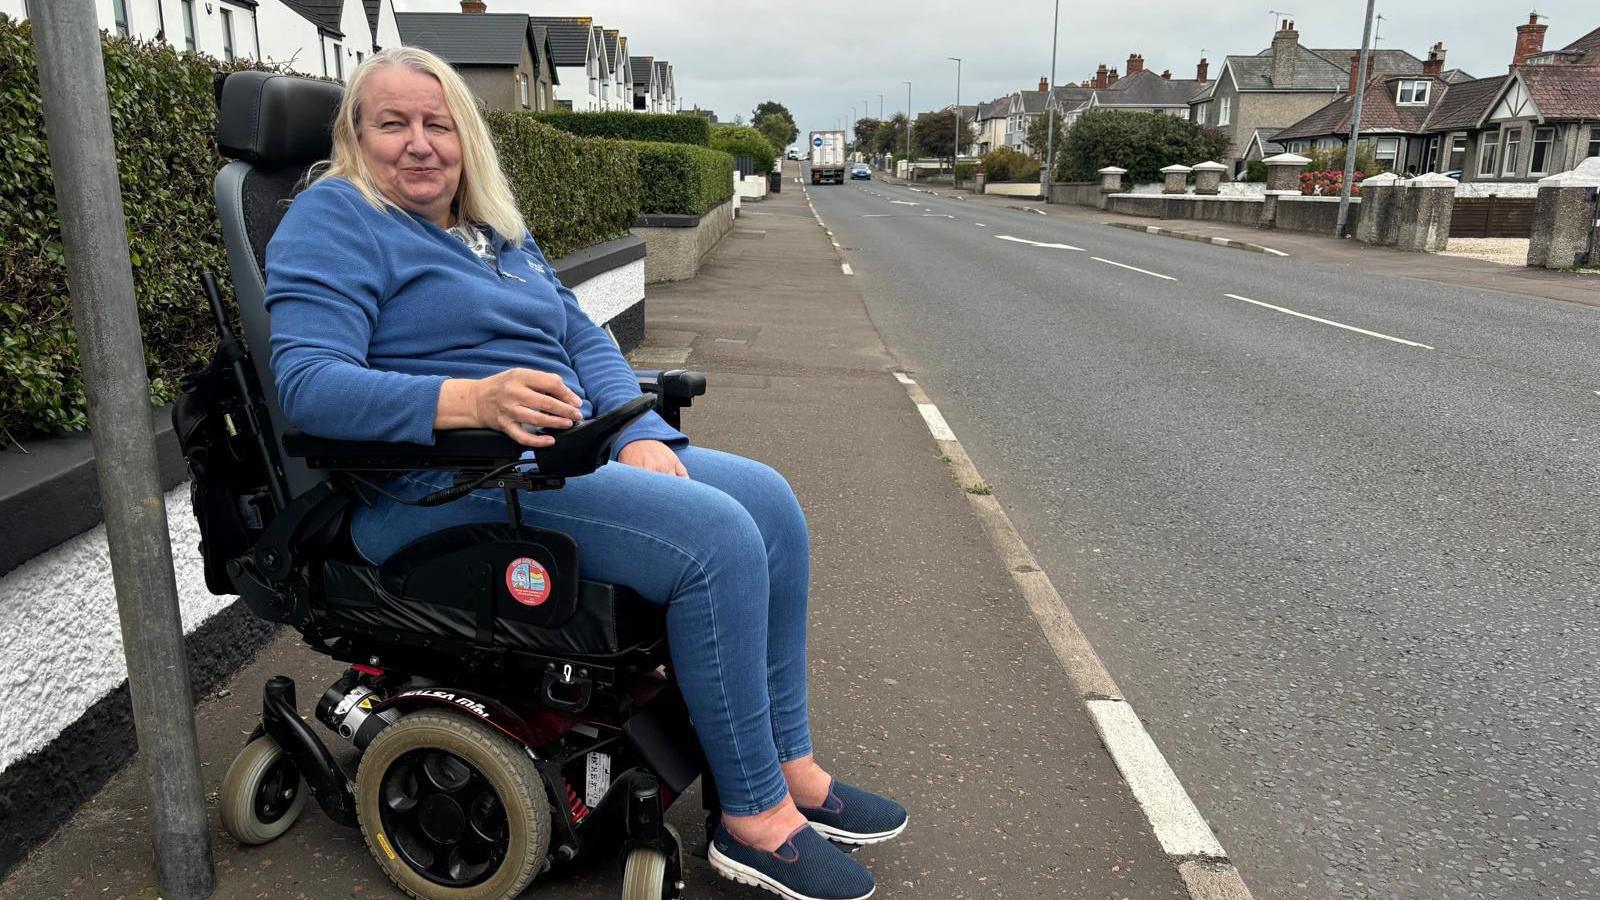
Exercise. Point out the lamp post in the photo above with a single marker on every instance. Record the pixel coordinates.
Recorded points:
(908, 132)
(955, 154)
(1342, 229)
(1049, 113)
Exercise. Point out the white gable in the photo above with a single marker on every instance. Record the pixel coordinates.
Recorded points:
(1514, 103)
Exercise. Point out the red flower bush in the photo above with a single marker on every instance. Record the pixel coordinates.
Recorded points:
(1328, 183)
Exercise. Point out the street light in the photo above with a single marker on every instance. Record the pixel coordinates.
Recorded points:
(1049, 112)
(955, 154)
(1342, 229)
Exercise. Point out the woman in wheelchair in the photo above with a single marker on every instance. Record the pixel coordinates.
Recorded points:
(407, 295)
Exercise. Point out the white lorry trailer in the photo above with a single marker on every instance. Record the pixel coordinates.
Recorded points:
(827, 157)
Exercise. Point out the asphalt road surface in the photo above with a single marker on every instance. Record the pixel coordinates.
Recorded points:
(1335, 534)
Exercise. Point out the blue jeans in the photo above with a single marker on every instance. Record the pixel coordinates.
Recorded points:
(725, 550)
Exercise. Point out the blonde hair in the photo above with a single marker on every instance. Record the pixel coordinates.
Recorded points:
(483, 195)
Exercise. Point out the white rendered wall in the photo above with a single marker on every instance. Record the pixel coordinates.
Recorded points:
(609, 294)
(288, 39)
(388, 29)
(574, 86)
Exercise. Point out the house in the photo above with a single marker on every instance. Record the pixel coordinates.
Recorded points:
(344, 35)
(577, 59)
(621, 71)
(502, 56)
(1278, 87)
(991, 124)
(1022, 108)
(644, 82)
(1141, 90)
(385, 28)
(666, 96)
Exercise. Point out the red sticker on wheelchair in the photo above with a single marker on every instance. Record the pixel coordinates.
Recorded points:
(528, 581)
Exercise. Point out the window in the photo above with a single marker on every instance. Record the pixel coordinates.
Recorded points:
(1430, 156)
(227, 34)
(1513, 145)
(1543, 140)
(1200, 112)
(1413, 93)
(360, 57)
(1594, 140)
(522, 88)
(188, 25)
(1489, 153)
(1388, 152)
(1458, 154)
(119, 11)
(1225, 111)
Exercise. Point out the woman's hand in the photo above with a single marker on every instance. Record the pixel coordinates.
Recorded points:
(508, 401)
(654, 456)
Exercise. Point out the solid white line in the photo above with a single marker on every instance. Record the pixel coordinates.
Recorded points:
(936, 423)
(845, 267)
(1017, 240)
(1173, 817)
(1274, 252)
(1302, 315)
(1132, 268)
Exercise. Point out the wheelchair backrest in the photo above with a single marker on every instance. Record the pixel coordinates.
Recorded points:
(273, 127)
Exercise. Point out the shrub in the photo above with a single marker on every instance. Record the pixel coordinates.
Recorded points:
(1256, 170)
(1006, 164)
(1140, 142)
(739, 140)
(631, 126)
(1331, 159)
(965, 170)
(683, 180)
(1329, 183)
(573, 191)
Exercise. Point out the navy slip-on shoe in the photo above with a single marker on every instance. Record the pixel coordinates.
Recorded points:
(806, 867)
(853, 816)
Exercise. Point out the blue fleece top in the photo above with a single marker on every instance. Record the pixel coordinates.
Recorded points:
(372, 310)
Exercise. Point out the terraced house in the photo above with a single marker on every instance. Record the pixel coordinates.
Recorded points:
(578, 60)
(503, 57)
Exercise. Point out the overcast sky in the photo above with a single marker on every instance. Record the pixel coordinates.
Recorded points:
(819, 57)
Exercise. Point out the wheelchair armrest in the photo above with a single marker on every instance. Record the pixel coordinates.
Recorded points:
(677, 389)
(577, 451)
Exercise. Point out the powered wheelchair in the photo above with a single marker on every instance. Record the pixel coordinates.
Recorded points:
(510, 717)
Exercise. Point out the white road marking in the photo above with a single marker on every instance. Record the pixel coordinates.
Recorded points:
(903, 378)
(904, 203)
(1133, 268)
(937, 216)
(1017, 240)
(845, 267)
(1274, 252)
(980, 224)
(1302, 315)
(1178, 825)
(936, 423)
(878, 216)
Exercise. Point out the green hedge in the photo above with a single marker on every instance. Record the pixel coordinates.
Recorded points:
(573, 191)
(738, 140)
(631, 126)
(679, 179)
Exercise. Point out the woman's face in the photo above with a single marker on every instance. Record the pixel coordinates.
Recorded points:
(409, 141)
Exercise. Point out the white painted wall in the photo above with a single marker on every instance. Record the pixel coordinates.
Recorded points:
(388, 29)
(574, 86)
(287, 38)
(751, 187)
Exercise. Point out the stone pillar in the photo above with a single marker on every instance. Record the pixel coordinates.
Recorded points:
(1177, 179)
(1208, 178)
(1110, 183)
(1563, 216)
(1283, 172)
(1427, 204)
(1380, 194)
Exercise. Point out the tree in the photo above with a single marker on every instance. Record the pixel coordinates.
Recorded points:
(935, 134)
(1143, 143)
(771, 108)
(891, 137)
(776, 130)
(866, 134)
(1038, 135)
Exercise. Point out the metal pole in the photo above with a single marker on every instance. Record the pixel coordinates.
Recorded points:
(72, 85)
(955, 155)
(1342, 229)
(1048, 173)
(909, 173)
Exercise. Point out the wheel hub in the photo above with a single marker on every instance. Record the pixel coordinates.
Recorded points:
(444, 818)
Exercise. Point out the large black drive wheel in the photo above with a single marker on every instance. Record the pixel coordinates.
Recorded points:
(452, 809)
(262, 794)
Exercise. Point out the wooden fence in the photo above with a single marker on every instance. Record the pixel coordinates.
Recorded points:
(1484, 217)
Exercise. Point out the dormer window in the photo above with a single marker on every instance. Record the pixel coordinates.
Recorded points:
(1413, 93)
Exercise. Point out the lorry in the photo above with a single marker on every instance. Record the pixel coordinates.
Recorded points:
(827, 157)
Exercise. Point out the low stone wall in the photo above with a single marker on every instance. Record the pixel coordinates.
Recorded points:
(1189, 206)
(1079, 193)
(67, 724)
(675, 245)
(1026, 189)
(1318, 215)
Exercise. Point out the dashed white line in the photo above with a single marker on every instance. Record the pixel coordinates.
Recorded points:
(1017, 240)
(1132, 268)
(845, 267)
(980, 224)
(1302, 315)
(1178, 825)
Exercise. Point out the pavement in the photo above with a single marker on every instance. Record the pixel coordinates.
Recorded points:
(931, 679)
(1329, 519)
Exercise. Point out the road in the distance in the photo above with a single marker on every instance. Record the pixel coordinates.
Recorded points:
(1340, 545)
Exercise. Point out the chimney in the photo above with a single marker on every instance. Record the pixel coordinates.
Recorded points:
(1100, 77)
(1135, 64)
(473, 6)
(1434, 64)
(1530, 39)
(1285, 47)
(1112, 76)
(1166, 74)
(1202, 70)
(1355, 73)
(1044, 84)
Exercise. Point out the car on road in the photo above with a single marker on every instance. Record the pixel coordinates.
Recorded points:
(861, 170)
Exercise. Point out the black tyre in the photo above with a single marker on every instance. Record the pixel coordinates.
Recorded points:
(262, 794)
(452, 809)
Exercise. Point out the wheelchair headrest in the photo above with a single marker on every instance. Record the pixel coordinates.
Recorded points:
(276, 120)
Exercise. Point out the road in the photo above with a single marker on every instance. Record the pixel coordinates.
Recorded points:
(1335, 534)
